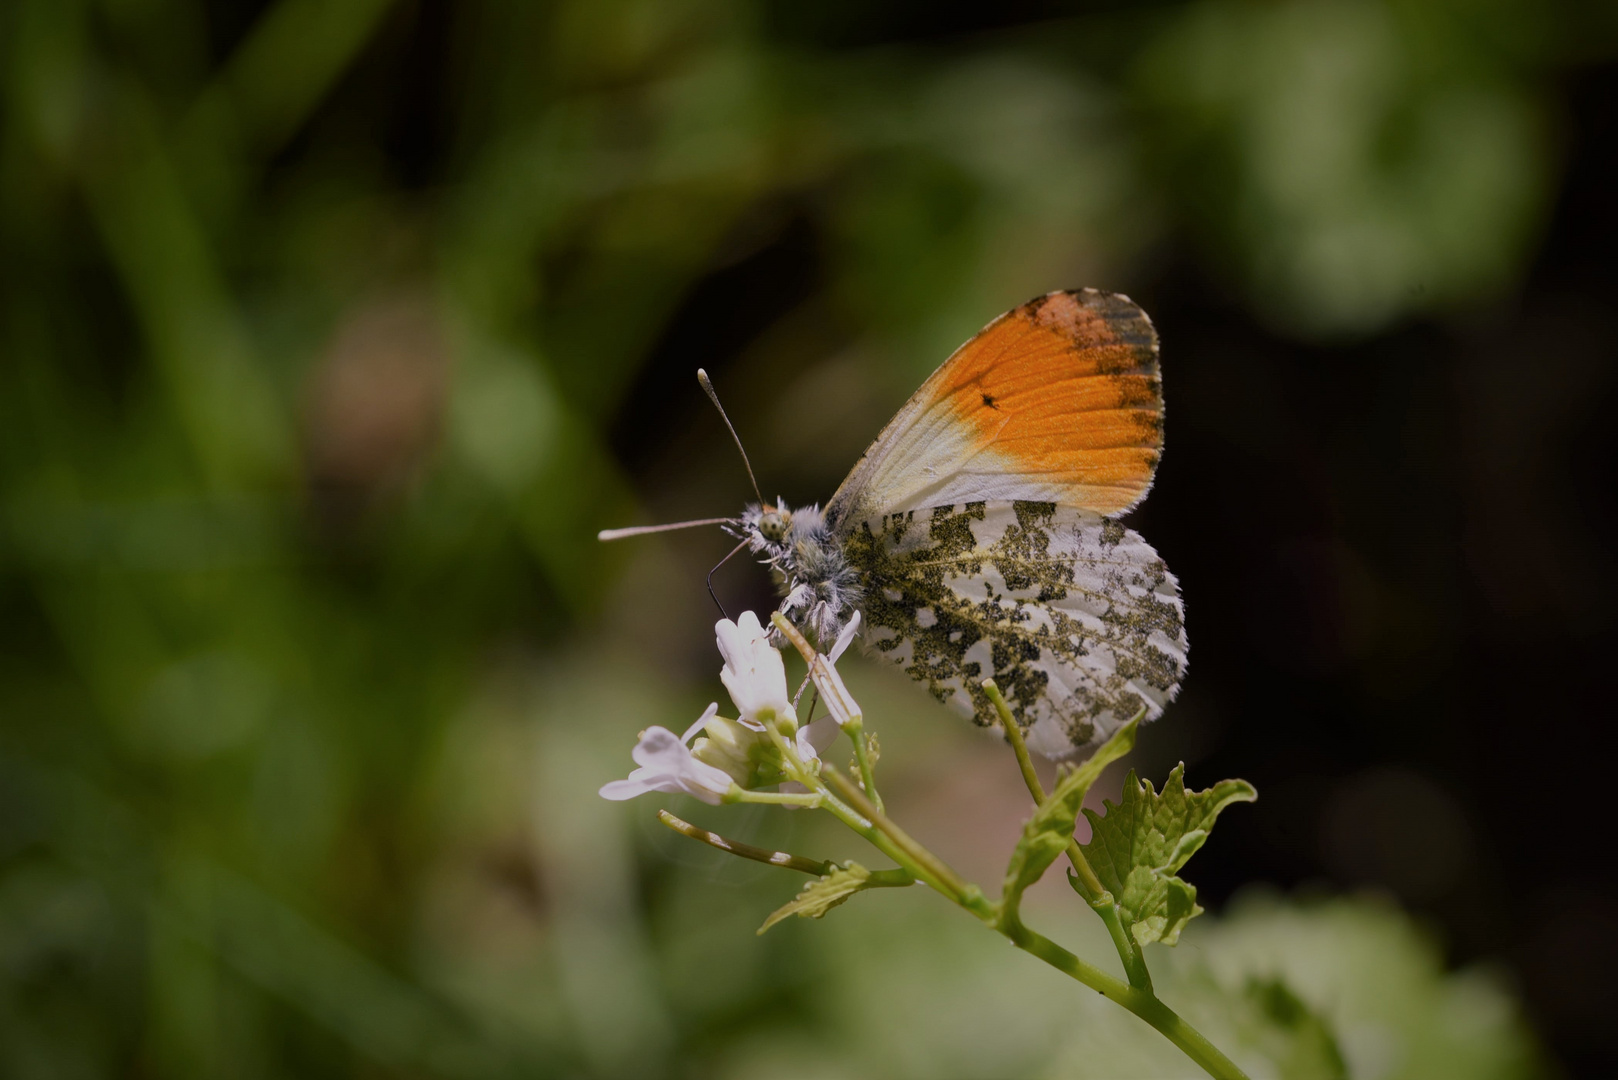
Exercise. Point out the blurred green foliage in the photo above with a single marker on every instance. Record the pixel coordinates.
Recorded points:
(316, 320)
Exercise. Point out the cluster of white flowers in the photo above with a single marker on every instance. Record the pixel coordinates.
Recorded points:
(737, 755)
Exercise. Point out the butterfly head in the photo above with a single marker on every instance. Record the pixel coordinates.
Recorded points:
(769, 531)
(806, 559)
(773, 523)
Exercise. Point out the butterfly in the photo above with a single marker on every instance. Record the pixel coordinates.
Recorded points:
(978, 536)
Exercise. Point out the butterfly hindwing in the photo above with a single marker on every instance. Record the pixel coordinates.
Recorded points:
(1074, 616)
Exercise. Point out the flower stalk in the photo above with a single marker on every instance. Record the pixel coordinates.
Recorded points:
(815, 867)
(957, 889)
(1083, 878)
(739, 760)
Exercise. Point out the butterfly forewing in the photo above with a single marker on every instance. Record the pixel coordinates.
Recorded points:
(1074, 616)
(1056, 400)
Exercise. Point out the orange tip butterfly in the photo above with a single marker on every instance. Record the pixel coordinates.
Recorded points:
(978, 535)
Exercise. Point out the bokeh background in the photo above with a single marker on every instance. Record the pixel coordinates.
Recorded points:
(332, 332)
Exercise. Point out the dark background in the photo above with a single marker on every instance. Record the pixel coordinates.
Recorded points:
(331, 336)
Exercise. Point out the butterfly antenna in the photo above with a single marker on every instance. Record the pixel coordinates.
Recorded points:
(722, 612)
(642, 530)
(707, 386)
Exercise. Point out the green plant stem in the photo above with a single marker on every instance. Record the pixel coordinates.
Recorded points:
(1129, 951)
(878, 879)
(1143, 1003)
(1091, 886)
(874, 836)
(883, 879)
(899, 846)
(967, 895)
(860, 814)
(1084, 879)
(855, 727)
(862, 756)
(1025, 763)
(865, 826)
(810, 799)
(816, 867)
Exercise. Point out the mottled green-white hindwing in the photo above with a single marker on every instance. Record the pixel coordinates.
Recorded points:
(1074, 616)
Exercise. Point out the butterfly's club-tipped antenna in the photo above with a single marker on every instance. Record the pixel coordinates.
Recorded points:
(707, 386)
(642, 530)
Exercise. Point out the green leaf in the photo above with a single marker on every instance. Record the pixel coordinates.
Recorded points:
(823, 894)
(1139, 845)
(1046, 835)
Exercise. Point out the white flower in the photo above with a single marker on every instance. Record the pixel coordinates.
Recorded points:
(823, 670)
(667, 765)
(753, 672)
(752, 758)
(812, 741)
(744, 752)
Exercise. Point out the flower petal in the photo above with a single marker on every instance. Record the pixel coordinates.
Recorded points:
(666, 765)
(732, 646)
(845, 638)
(839, 702)
(813, 739)
(659, 748)
(702, 722)
(619, 790)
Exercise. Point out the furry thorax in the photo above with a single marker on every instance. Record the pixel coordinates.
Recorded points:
(806, 559)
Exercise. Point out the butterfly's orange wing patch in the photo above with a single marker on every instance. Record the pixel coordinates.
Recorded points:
(1068, 387)
(1058, 400)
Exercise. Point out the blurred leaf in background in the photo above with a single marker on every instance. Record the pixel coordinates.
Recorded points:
(1354, 163)
(1321, 988)
(332, 332)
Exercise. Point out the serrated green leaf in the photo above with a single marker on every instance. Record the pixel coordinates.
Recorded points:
(823, 894)
(1138, 846)
(1045, 835)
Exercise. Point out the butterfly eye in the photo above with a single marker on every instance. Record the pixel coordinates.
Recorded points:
(772, 525)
